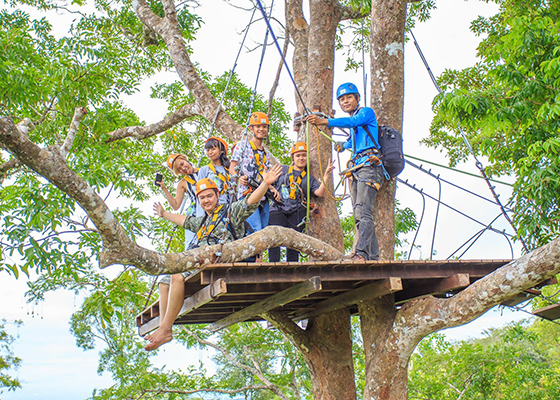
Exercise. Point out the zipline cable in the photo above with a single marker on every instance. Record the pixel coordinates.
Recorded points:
(468, 145)
(267, 20)
(413, 187)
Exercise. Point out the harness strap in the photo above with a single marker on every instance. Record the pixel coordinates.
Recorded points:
(294, 182)
(207, 227)
(224, 179)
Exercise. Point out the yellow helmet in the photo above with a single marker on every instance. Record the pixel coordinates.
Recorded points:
(205, 183)
(259, 118)
(297, 147)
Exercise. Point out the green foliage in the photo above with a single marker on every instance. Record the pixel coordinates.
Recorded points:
(513, 362)
(508, 106)
(7, 359)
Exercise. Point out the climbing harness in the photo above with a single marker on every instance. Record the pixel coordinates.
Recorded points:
(225, 179)
(209, 224)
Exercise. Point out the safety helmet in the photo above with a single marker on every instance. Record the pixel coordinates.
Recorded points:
(298, 147)
(222, 141)
(205, 183)
(347, 88)
(259, 118)
(171, 160)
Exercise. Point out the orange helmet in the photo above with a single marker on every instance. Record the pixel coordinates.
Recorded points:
(205, 183)
(297, 147)
(172, 158)
(222, 141)
(259, 118)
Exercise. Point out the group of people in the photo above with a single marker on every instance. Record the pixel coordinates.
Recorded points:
(266, 194)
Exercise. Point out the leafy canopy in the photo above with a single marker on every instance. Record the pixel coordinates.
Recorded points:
(508, 106)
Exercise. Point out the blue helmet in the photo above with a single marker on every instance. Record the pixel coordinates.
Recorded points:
(347, 88)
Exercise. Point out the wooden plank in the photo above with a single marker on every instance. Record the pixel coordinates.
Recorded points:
(198, 299)
(349, 273)
(433, 287)
(295, 292)
(551, 312)
(343, 263)
(371, 291)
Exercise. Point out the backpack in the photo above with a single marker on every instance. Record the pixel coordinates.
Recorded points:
(390, 149)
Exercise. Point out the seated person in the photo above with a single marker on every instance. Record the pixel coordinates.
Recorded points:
(292, 185)
(210, 229)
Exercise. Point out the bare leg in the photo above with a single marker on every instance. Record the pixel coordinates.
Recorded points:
(163, 299)
(164, 333)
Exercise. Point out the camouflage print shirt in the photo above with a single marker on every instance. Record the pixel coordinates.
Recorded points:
(240, 211)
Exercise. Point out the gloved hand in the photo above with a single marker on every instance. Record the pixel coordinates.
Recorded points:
(339, 146)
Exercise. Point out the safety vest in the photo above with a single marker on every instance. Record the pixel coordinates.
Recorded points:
(294, 182)
(224, 179)
(209, 224)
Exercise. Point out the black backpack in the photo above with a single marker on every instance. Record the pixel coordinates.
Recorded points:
(390, 149)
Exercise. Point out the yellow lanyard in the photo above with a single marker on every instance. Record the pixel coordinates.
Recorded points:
(257, 156)
(294, 183)
(208, 226)
(225, 179)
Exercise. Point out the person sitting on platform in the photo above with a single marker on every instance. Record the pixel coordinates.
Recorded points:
(292, 185)
(211, 229)
(367, 175)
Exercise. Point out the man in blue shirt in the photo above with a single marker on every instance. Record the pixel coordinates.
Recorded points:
(367, 175)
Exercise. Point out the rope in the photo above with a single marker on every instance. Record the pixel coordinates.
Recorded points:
(419, 224)
(342, 180)
(436, 218)
(308, 176)
(468, 145)
(267, 20)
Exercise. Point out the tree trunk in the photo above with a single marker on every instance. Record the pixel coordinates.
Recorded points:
(387, 91)
(386, 365)
(386, 369)
(324, 346)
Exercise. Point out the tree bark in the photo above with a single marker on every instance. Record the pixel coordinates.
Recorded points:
(387, 91)
(324, 346)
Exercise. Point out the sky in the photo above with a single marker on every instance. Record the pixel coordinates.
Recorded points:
(54, 368)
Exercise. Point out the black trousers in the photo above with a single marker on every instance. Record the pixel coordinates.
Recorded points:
(278, 218)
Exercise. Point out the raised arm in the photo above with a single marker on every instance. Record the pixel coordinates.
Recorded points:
(177, 219)
(269, 177)
(176, 201)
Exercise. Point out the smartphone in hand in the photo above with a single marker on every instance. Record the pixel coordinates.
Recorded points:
(159, 179)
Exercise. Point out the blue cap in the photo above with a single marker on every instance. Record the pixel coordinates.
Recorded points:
(346, 88)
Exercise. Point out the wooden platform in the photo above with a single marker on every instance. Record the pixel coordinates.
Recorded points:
(225, 294)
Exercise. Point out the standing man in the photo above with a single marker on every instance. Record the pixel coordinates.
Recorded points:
(367, 175)
(250, 158)
(210, 229)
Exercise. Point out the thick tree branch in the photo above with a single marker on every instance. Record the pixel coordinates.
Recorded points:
(170, 263)
(117, 246)
(170, 32)
(79, 113)
(143, 132)
(289, 328)
(423, 316)
(8, 165)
